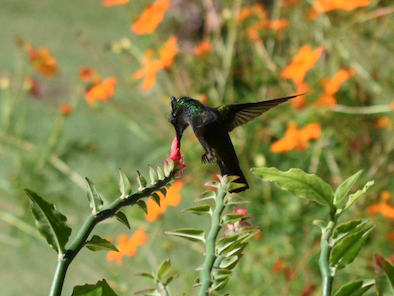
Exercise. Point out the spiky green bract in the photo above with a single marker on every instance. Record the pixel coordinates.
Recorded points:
(340, 244)
(101, 288)
(158, 280)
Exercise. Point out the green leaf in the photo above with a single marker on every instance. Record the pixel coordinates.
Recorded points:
(149, 292)
(320, 223)
(147, 275)
(160, 173)
(356, 288)
(99, 244)
(141, 181)
(353, 197)
(94, 197)
(122, 218)
(344, 188)
(346, 228)
(101, 288)
(299, 183)
(191, 234)
(124, 185)
(170, 279)
(236, 200)
(142, 205)
(230, 263)
(347, 249)
(228, 243)
(153, 175)
(50, 222)
(199, 210)
(384, 276)
(209, 194)
(231, 218)
(156, 198)
(234, 186)
(163, 191)
(164, 269)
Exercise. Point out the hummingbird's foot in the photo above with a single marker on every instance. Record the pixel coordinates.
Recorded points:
(207, 158)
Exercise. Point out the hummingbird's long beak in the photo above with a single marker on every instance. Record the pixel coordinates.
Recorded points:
(179, 136)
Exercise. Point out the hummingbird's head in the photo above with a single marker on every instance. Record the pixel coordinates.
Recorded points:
(178, 117)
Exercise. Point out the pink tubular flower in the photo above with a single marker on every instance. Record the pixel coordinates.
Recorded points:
(175, 153)
(175, 159)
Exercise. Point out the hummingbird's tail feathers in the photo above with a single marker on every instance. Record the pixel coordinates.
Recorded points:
(235, 171)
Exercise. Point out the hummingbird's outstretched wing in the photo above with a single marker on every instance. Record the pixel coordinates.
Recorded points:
(234, 115)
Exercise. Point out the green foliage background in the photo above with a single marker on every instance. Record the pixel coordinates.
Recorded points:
(51, 154)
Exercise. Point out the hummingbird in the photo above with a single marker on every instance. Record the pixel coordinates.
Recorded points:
(212, 126)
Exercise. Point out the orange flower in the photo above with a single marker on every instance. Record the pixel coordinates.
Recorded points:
(151, 65)
(327, 5)
(203, 48)
(87, 74)
(42, 60)
(383, 122)
(296, 138)
(383, 207)
(33, 87)
(168, 52)
(127, 246)
(332, 86)
(300, 101)
(151, 17)
(114, 2)
(173, 198)
(279, 24)
(66, 109)
(302, 63)
(102, 91)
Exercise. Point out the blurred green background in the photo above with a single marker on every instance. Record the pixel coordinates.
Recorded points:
(51, 153)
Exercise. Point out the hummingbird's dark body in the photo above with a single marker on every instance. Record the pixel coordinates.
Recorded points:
(212, 126)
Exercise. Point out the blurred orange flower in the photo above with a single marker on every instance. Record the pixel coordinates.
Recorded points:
(173, 198)
(203, 48)
(114, 2)
(302, 63)
(392, 106)
(87, 74)
(33, 87)
(127, 246)
(150, 66)
(151, 17)
(383, 206)
(300, 101)
(42, 60)
(262, 22)
(296, 138)
(383, 122)
(66, 109)
(102, 91)
(327, 5)
(332, 86)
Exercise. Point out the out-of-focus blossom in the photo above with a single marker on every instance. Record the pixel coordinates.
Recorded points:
(102, 91)
(300, 101)
(302, 63)
(42, 60)
(383, 122)
(65, 109)
(114, 2)
(150, 64)
(173, 198)
(383, 206)
(33, 87)
(203, 48)
(331, 86)
(262, 21)
(297, 139)
(308, 290)
(87, 74)
(237, 226)
(151, 17)
(280, 266)
(127, 246)
(392, 106)
(320, 6)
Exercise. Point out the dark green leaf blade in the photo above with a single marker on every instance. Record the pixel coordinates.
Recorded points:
(384, 276)
(299, 183)
(50, 222)
(191, 234)
(100, 244)
(356, 288)
(101, 288)
(344, 188)
(94, 197)
(164, 268)
(122, 218)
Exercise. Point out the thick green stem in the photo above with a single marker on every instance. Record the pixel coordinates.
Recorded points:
(90, 223)
(324, 260)
(210, 255)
